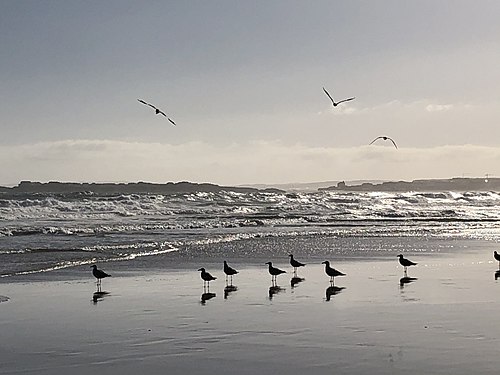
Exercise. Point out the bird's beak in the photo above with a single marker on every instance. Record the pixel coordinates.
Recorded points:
(199, 269)
(323, 262)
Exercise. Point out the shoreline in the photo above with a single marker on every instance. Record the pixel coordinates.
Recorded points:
(158, 322)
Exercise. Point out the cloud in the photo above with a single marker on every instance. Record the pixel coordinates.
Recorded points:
(438, 107)
(237, 163)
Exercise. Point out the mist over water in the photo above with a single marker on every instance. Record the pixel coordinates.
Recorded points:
(46, 232)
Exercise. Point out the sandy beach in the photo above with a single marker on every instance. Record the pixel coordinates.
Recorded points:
(444, 322)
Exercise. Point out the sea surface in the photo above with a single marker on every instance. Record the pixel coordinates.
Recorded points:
(42, 233)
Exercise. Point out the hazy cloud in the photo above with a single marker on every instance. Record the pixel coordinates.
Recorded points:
(237, 163)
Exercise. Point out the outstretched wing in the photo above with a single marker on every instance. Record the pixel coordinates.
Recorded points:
(172, 121)
(160, 112)
(326, 92)
(146, 103)
(394, 143)
(375, 140)
(346, 100)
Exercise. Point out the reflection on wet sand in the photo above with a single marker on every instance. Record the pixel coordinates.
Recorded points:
(275, 289)
(229, 289)
(406, 280)
(294, 281)
(497, 274)
(99, 295)
(333, 290)
(206, 296)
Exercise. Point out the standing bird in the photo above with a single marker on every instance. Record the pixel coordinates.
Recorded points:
(157, 111)
(333, 101)
(405, 262)
(229, 271)
(497, 257)
(98, 274)
(332, 272)
(274, 271)
(206, 277)
(385, 139)
(295, 264)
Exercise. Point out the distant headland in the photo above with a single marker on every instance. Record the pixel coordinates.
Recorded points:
(125, 188)
(452, 184)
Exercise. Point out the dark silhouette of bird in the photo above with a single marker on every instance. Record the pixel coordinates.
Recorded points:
(206, 277)
(385, 139)
(157, 111)
(333, 101)
(274, 271)
(497, 257)
(405, 262)
(295, 264)
(332, 272)
(98, 274)
(229, 271)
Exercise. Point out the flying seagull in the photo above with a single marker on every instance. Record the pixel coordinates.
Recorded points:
(157, 111)
(385, 139)
(333, 101)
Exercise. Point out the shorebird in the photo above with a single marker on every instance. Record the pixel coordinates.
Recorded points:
(274, 271)
(98, 274)
(405, 262)
(157, 111)
(206, 277)
(385, 139)
(497, 257)
(332, 272)
(333, 101)
(229, 271)
(295, 264)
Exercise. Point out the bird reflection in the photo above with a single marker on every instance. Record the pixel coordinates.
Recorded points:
(406, 280)
(206, 296)
(229, 289)
(333, 290)
(99, 295)
(294, 281)
(497, 274)
(275, 289)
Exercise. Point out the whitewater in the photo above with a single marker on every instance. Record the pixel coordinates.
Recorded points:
(42, 233)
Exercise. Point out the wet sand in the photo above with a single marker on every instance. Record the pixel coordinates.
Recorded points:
(444, 322)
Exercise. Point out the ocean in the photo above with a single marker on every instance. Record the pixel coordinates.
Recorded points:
(43, 233)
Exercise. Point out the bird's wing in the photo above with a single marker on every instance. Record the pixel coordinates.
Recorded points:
(143, 102)
(375, 140)
(161, 112)
(326, 92)
(171, 121)
(394, 143)
(346, 100)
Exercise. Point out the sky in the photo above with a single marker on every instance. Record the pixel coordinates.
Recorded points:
(243, 82)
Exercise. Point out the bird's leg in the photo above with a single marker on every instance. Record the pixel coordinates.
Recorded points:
(231, 280)
(406, 272)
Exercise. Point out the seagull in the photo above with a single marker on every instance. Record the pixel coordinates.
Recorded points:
(274, 271)
(405, 262)
(229, 271)
(385, 139)
(98, 274)
(206, 277)
(295, 264)
(497, 257)
(157, 111)
(333, 101)
(332, 272)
